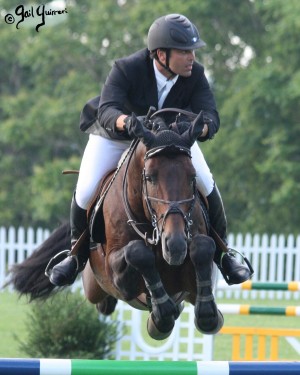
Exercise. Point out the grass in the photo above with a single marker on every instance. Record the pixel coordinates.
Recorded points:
(13, 314)
(12, 324)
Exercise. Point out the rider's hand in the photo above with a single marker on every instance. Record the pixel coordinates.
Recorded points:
(208, 123)
(203, 123)
(130, 125)
(183, 126)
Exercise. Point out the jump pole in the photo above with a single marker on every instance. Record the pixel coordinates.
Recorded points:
(104, 367)
(237, 309)
(292, 286)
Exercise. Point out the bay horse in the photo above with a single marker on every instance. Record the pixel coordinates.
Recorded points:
(156, 251)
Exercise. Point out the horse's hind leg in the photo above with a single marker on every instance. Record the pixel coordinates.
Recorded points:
(208, 319)
(105, 303)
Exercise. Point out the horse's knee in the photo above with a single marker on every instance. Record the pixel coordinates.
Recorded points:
(202, 249)
(138, 255)
(126, 277)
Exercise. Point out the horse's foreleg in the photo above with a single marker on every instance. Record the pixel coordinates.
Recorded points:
(125, 277)
(164, 310)
(208, 319)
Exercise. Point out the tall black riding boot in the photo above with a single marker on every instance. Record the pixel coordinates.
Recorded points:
(65, 272)
(232, 271)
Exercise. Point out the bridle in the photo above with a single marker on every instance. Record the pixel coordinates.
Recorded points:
(174, 207)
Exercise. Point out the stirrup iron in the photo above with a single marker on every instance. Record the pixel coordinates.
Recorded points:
(54, 261)
(234, 251)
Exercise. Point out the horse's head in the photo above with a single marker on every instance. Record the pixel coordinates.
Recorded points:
(169, 187)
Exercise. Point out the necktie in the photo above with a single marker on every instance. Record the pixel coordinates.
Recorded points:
(163, 93)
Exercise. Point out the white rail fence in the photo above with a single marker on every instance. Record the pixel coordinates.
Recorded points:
(16, 244)
(274, 259)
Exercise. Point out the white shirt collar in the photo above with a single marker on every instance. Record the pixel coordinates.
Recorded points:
(161, 80)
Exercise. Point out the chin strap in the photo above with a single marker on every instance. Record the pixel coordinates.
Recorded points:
(166, 66)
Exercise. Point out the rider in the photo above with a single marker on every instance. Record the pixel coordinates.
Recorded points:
(163, 75)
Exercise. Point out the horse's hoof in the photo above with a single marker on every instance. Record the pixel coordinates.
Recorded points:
(210, 326)
(155, 333)
(107, 306)
(180, 308)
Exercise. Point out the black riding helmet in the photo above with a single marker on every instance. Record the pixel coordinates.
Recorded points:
(173, 31)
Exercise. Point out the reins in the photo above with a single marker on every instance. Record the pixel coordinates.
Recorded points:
(130, 216)
(191, 115)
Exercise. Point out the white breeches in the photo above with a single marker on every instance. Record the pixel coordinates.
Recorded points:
(102, 155)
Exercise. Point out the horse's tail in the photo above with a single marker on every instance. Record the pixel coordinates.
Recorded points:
(28, 277)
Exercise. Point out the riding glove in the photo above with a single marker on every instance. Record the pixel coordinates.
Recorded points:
(130, 125)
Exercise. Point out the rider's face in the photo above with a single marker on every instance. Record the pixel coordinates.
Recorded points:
(180, 61)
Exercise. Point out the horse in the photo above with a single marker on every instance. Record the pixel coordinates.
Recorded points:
(156, 251)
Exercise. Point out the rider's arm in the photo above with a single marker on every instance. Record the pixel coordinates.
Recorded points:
(202, 99)
(113, 96)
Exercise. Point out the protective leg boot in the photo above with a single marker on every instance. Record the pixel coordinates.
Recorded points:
(65, 272)
(232, 271)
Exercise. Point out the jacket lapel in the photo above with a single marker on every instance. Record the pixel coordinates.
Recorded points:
(151, 87)
(176, 92)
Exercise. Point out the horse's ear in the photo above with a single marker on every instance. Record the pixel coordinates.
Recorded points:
(141, 132)
(193, 132)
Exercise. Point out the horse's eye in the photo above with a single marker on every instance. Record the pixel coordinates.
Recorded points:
(150, 178)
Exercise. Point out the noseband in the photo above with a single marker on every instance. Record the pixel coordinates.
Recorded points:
(174, 207)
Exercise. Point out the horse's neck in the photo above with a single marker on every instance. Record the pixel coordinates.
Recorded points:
(134, 181)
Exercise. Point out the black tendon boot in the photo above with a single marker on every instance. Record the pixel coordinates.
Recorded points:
(232, 271)
(65, 272)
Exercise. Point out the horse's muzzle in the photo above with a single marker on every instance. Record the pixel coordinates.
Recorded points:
(174, 248)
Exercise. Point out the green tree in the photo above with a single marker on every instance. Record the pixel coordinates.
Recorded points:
(252, 57)
(259, 140)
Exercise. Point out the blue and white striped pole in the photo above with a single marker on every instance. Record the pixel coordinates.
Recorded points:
(105, 367)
